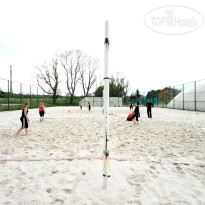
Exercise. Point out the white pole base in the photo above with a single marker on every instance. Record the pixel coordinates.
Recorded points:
(105, 183)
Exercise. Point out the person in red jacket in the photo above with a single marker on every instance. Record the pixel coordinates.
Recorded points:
(135, 115)
(41, 111)
(129, 118)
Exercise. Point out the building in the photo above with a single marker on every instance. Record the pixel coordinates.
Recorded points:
(166, 95)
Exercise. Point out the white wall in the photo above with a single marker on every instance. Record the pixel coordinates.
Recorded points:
(98, 101)
(189, 98)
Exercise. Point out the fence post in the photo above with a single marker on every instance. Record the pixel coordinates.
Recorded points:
(157, 99)
(195, 94)
(183, 95)
(173, 95)
(166, 96)
(37, 97)
(20, 95)
(169, 95)
(30, 96)
(8, 94)
(93, 101)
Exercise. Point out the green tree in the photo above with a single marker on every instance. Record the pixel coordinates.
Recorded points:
(135, 95)
(99, 91)
(3, 94)
(118, 87)
(138, 93)
(152, 93)
(132, 96)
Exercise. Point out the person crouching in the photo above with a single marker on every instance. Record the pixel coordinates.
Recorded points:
(136, 114)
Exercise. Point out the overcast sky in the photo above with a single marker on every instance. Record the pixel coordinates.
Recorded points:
(34, 31)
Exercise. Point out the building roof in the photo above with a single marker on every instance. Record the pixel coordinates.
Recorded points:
(173, 89)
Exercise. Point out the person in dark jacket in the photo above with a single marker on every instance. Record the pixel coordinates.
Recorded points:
(89, 107)
(149, 106)
(24, 119)
(131, 106)
(136, 114)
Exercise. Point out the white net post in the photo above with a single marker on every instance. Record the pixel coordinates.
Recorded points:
(106, 108)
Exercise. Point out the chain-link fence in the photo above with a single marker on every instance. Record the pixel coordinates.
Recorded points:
(99, 101)
(188, 96)
(13, 95)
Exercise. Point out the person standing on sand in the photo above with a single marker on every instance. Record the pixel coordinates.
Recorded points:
(81, 105)
(89, 107)
(136, 114)
(131, 106)
(24, 119)
(149, 106)
(41, 111)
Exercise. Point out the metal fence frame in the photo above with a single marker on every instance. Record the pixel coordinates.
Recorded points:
(175, 91)
(20, 94)
(33, 95)
(189, 95)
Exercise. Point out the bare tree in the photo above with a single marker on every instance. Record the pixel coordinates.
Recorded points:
(88, 73)
(47, 78)
(71, 62)
(126, 90)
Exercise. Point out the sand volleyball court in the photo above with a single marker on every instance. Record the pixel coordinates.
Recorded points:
(163, 158)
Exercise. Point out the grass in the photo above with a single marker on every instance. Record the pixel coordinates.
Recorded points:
(48, 101)
(34, 102)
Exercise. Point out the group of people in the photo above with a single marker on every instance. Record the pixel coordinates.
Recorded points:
(25, 119)
(131, 117)
(89, 106)
(136, 114)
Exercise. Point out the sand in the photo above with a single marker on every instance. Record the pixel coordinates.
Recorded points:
(171, 136)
